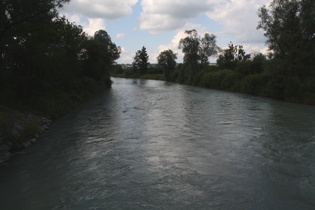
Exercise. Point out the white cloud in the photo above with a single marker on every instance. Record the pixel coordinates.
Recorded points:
(94, 25)
(126, 56)
(174, 45)
(123, 50)
(120, 36)
(156, 23)
(106, 9)
(251, 48)
(159, 15)
(180, 35)
(265, 51)
(125, 59)
(90, 25)
(74, 19)
(240, 19)
(91, 14)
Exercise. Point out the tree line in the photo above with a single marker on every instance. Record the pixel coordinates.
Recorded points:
(286, 73)
(47, 63)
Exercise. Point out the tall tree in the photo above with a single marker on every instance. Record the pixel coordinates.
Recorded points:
(289, 26)
(141, 61)
(196, 51)
(99, 55)
(190, 47)
(208, 48)
(167, 60)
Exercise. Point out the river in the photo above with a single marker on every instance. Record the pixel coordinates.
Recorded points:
(148, 144)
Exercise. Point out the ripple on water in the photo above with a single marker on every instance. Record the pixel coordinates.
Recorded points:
(154, 145)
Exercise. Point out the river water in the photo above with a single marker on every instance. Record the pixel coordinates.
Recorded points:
(154, 145)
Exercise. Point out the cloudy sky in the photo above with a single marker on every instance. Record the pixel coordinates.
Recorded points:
(160, 24)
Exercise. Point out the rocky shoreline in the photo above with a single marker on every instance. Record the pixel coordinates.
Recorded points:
(18, 130)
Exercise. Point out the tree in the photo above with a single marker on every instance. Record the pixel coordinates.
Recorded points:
(190, 47)
(231, 56)
(99, 55)
(45, 59)
(110, 52)
(20, 19)
(289, 26)
(208, 48)
(17, 12)
(141, 61)
(196, 51)
(167, 60)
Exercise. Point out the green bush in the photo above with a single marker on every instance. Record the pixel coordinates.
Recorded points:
(221, 79)
(212, 79)
(230, 81)
(255, 84)
(292, 86)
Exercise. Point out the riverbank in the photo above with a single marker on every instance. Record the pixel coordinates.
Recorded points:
(20, 125)
(263, 84)
(18, 130)
(145, 76)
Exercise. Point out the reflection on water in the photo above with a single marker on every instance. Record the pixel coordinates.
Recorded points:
(155, 145)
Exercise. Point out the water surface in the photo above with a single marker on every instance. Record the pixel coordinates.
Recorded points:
(154, 145)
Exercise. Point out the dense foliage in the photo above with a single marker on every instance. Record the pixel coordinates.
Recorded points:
(47, 63)
(141, 61)
(289, 26)
(167, 61)
(230, 57)
(196, 51)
